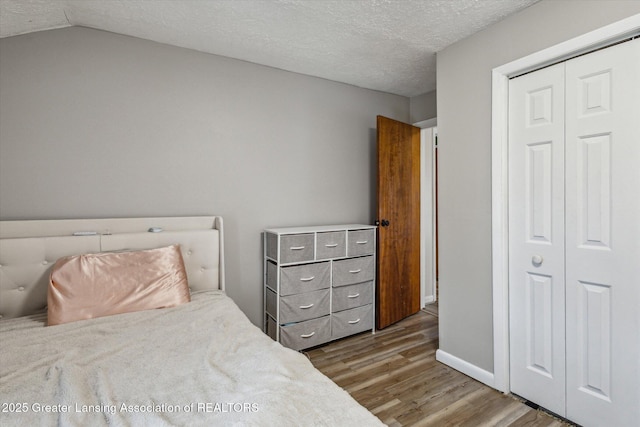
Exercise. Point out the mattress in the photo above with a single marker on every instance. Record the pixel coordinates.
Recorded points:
(201, 363)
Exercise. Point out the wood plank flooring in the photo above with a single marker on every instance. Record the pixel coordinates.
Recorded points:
(394, 374)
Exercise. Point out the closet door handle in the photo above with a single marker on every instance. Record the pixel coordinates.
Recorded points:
(537, 260)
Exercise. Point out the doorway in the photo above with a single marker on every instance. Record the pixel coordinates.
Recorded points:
(399, 205)
(428, 213)
(407, 249)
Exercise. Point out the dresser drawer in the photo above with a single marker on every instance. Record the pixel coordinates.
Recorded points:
(296, 279)
(306, 334)
(296, 248)
(361, 242)
(351, 321)
(299, 278)
(351, 296)
(331, 245)
(353, 270)
(272, 275)
(299, 307)
(271, 328)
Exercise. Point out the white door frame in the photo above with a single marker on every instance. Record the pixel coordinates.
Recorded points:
(427, 212)
(499, 171)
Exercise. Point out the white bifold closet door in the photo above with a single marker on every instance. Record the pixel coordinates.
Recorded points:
(574, 236)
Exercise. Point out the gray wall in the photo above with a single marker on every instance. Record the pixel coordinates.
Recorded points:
(423, 107)
(94, 124)
(464, 128)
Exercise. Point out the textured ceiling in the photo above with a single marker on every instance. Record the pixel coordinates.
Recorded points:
(386, 45)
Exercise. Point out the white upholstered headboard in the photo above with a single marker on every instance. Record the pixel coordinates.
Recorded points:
(28, 250)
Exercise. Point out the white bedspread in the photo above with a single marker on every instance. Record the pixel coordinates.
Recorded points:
(201, 363)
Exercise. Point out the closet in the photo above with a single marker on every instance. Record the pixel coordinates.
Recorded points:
(574, 236)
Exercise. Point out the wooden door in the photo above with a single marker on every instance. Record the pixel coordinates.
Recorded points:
(398, 287)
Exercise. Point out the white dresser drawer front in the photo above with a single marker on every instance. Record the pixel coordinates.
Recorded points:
(296, 308)
(296, 248)
(331, 245)
(353, 270)
(361, 242)
(306, 334)
(351, 321)
(303, 278)
(346, 297)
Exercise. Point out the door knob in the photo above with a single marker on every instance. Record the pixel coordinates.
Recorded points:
(537, 260)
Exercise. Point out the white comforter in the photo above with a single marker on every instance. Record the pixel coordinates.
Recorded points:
(201, 363)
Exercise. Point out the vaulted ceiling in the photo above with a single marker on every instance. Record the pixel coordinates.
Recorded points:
(385, 45)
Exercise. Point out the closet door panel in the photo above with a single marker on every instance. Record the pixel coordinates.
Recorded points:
(603, 236)
(536, 237)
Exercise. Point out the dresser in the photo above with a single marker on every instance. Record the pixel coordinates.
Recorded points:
(318, 283)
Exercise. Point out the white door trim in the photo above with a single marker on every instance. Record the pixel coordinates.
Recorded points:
(427, 211)
(499, 171)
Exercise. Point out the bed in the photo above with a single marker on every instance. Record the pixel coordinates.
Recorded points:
(197, 363)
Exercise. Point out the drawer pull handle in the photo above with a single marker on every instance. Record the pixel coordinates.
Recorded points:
(309, 335)
(307, 279)
(362, 242)
(353, 322)
(306, 306)
(355, 271)
(296, 248)
(353, 296)
(331, 245)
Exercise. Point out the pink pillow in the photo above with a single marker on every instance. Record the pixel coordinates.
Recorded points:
(102, 284)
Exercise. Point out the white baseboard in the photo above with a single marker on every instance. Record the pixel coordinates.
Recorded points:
(466, 368)
(428, 300)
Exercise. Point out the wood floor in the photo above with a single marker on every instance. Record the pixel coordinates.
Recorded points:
(394, 374)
